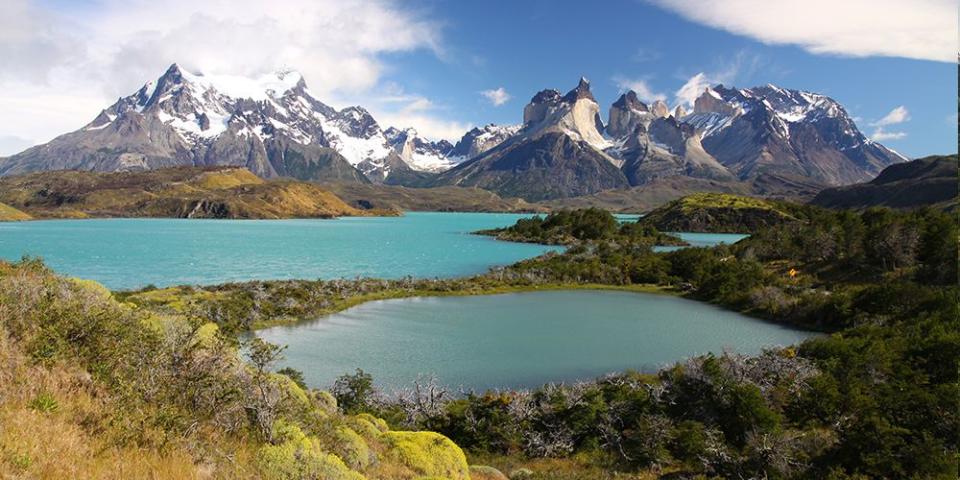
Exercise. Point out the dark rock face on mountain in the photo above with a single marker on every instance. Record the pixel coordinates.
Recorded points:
(929, 181)
(558, 153)
(626, 114)
(783, 142)
(660, 147)
(770, 130)
(552, 165)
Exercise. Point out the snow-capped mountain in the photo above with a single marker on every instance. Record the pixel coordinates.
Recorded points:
(650, 144)
(558, 152)
(420, 153)
(575, 114)
(479, 140)
(766, 137)
(271, 124)
(774, 131)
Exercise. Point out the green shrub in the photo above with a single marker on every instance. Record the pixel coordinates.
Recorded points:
(44, 403)
(428, 454)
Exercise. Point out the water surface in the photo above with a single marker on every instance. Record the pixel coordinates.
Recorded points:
(518, 340)
(132, 253)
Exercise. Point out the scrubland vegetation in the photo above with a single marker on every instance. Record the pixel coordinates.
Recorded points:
(876, 399)
(720, 213)
(568, 227)
(95, 388)
(152, 380)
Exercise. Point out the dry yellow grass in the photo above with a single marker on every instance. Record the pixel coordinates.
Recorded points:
(225, 192)
(10, 214)
(223, 179)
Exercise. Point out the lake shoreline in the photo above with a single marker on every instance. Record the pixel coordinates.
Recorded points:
(351, 302)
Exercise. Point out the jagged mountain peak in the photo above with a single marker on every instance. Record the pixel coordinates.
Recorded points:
(576, 114)
(792, 133)
(481, 139)
(629, 100)
(582, 90)
(660, 109)
(270, 123)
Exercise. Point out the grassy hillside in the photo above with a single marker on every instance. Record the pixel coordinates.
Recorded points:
(10, 214)
(94, 388)
(647, 197)
(183, 192)
(718, 213)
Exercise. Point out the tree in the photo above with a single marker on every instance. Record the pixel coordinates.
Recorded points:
(354, 392)
(264, 403)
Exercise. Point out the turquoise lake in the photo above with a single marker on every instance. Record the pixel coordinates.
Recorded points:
(514, 340)
(517, 340)
(132, 253)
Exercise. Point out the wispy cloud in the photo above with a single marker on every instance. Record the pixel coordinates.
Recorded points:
(880, 135)
(741, 65)
(640, 86)
(920, 29)
(497, 96)
(898, 115)
(396, 107)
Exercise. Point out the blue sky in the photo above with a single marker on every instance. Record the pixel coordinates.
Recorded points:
(524, 47)
(426, 63)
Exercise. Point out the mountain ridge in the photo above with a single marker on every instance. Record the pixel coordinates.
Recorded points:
(781, 141)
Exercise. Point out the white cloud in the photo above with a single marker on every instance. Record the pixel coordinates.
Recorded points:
(693, 88)
(497, 96)
(743, 64)
(897, 115)
(397, 108)
(920, 29)
(640, 87)
(880, 135)
(58, 72)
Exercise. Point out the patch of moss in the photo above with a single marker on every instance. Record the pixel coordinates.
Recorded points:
(379, 423)
(724, 200)
(351, 448)
(325, 400)
(92, 286)
(292, 391)
(296, 456)
(427, 454)
(206, 334)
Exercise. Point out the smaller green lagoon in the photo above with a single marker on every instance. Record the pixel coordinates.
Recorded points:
(518, 339)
